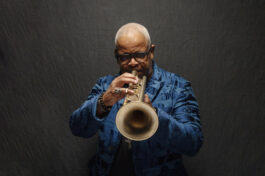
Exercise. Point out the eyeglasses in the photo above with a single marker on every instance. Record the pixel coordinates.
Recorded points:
(126, 58)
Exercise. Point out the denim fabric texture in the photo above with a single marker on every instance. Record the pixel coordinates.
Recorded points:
(179, 130)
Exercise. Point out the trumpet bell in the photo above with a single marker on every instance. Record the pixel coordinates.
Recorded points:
(137, 121)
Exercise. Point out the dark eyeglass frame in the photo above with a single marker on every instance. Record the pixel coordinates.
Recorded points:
(139, 57)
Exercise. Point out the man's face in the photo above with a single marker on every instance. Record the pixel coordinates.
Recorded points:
(134, 44)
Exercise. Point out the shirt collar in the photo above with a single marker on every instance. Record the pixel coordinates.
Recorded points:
(154, 84)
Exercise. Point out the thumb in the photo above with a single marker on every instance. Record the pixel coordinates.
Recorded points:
(147, 100)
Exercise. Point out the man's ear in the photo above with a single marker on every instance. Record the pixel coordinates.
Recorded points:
(115, 52)
(152, 51)
(115, 55)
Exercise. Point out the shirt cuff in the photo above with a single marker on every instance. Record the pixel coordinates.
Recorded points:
(94, 110)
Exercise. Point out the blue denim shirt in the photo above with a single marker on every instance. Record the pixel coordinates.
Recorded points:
(179, 130)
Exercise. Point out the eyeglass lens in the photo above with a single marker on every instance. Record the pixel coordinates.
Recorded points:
(136, 56)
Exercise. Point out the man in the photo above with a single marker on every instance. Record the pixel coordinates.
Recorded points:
(179, 130)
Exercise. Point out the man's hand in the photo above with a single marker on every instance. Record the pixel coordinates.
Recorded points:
(110, 97)
(147, 100)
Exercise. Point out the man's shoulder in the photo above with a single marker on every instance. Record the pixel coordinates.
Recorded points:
(171, 78)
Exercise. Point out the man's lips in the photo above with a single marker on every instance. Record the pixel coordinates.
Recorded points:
(138, 70)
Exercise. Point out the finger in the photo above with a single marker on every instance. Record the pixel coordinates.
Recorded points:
(129, 91)
(126, 74)
(125, 80)
(146, 99)
(122, 92)
(129, 75)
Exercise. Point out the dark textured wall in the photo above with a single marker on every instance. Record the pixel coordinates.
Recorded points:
(52, 52)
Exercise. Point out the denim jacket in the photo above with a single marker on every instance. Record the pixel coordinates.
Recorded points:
(179, 130)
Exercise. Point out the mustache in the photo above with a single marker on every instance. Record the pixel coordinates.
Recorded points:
(129, 70)
(138, 70)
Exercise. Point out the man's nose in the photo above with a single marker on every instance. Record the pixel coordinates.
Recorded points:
(133, 62)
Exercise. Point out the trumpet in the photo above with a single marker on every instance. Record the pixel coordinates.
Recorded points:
(137, 120)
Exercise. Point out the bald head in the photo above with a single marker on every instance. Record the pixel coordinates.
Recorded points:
(132, 33)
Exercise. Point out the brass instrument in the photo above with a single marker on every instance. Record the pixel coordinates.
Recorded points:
(137, 120)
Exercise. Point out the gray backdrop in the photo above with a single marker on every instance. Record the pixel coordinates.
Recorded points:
(52, 52)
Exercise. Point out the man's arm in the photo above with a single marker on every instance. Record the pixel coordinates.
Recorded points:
(84, 121)
(183, 124)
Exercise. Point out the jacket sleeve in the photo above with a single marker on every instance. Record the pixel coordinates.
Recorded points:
(183, 123)
(83, 121)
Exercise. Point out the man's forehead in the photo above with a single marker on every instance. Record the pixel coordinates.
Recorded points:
(131, 40)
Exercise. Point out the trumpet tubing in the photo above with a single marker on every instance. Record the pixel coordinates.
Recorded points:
(136, 120)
